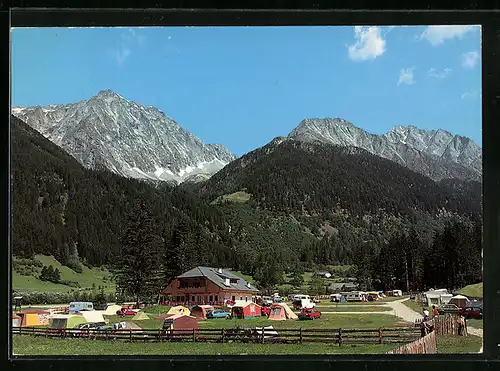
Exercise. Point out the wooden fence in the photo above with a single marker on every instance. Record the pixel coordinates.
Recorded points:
(335, 336)
(447, 325)
(424, 345)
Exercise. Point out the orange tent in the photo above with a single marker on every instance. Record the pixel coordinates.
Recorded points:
(200, 311)
(281, 312)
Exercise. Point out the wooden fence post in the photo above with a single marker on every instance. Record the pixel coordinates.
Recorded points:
(262, 338)
(194, 335)
(130, 334)
(300, 338)
(340, 336)
(223, 335)
(380, 335)
(33, 330)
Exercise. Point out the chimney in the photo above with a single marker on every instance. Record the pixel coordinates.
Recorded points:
(248, 285)
(227, 282)
(219, 270)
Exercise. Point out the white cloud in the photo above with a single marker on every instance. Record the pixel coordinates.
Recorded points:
(470, 59)
(406, 76)
(437, 35)
(468, 94)
(369, 44)
(128, 39)
(439, 75)
(122, 55)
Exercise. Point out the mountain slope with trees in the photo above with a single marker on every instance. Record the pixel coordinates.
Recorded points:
(299, 206)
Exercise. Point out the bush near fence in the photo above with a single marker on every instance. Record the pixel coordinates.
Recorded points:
(424, 345)
(335, 336)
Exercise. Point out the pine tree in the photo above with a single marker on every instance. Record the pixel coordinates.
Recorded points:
(43, 275)
(138, 268)
(56, 277)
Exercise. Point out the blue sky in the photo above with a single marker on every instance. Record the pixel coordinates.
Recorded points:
(243, 86)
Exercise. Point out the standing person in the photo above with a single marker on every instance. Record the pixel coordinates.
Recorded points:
(435, 311)
(426, 316)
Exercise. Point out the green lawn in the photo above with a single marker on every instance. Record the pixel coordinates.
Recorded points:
(360, 321)
(477, 323)
(85, 279)
(357, 308)
(454, 344)
(156, 309)
(28, 345)
(417, 307)
(475, 291)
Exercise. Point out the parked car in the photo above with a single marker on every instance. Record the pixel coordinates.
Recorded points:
(448, 308)
(265, 311)
(278, 299)
(125, 312)
(309, 313)
(267, 300)
(472, 312)
(217, 313)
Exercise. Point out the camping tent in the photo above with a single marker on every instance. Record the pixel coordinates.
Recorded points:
(281, 312)
(93, 316)
(200, 311)
(179, 310)
(34, 317)
(181, 322)
(112, 309)
(246, 310)
(459, 300)
(66, 321)
(140, 316)
(16, 320)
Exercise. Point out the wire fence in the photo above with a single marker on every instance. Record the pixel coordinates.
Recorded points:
(255, 335)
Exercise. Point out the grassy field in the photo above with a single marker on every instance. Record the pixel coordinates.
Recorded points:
(454, 344)
(27, 345)
(475, 291)
(360, 321)
(417, 307)
(236, 197)
(85, 279)
(477, 323)
(357, 308)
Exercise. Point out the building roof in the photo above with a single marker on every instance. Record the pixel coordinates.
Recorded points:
(340, 285)
(218, 278)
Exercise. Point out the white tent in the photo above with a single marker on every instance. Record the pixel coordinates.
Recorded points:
(93, 316)
(112, 309)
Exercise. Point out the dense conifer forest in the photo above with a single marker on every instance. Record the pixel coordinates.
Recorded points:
(306, 205)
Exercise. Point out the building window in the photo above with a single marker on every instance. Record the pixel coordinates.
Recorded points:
(234, 298)
(246, 298)
(211, 298)
(233, 280)
(241, 297)
(216, 297)
(192, 298)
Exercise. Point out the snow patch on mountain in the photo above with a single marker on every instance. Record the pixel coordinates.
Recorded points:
(130, 139)
(435, 153)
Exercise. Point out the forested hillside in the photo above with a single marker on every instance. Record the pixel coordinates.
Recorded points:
(297, 206)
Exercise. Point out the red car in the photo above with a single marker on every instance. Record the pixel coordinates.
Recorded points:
(472, 312)
(265, 311)
(125, 312)
(309, 313)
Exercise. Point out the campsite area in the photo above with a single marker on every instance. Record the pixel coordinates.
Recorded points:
(333, 316)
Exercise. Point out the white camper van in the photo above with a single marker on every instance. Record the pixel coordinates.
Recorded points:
(354, 296)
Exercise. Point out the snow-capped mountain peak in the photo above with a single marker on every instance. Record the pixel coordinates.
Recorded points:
(436, 153)
(125, 137)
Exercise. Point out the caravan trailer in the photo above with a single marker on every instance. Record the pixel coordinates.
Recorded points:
(76, 306)
(354, 296)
